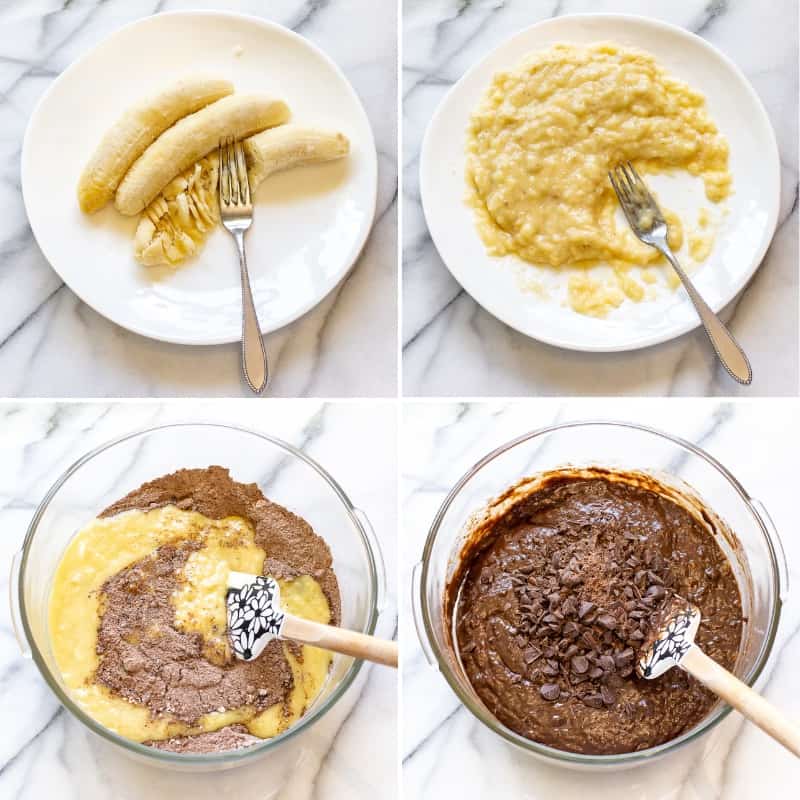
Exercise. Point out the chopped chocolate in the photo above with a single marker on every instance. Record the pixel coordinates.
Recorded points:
(550, 691)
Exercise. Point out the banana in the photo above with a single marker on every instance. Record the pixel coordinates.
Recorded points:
(174, 226)
(138, 128)
(290, 146)
(189, 140)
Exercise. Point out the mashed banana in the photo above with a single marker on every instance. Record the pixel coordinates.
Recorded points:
(543, 139)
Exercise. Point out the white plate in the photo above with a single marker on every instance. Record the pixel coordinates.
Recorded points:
(741, 241)
(310, 222)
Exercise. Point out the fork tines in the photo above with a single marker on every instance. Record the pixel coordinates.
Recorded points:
(628, 186)
(234, 186)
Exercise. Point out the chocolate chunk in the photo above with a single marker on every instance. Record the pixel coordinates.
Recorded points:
(570, 579)
(571, 630)
(579, 664)
(584, 608)
(593, 700)
(607, 663)
(550, 691)
(624, 658)
(590, 640)
(655, 591)
(531, 654)
(608, 695)
(607, 621)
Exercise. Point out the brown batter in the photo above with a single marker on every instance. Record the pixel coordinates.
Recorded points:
(557, 596)
(170, 672)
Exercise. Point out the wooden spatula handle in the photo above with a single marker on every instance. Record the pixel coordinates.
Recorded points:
(340, 640)
(739, 695)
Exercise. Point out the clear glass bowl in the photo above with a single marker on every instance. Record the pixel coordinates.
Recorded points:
(285, 475)
(758, 559)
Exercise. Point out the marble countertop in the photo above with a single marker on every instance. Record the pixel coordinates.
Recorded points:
(453, 347)
(52, 345)
(447, 753)
(46, 753)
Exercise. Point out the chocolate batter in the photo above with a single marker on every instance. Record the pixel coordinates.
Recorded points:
(557, 596)
(168, 671)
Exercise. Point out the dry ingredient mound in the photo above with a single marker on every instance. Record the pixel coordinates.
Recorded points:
(232, 737)
(144, 658)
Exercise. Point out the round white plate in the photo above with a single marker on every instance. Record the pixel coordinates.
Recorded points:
(741, 240)
(310, 222)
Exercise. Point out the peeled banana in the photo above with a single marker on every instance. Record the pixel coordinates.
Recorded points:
(136, 130)
(189, 140)
(290, 146)
(174, 226)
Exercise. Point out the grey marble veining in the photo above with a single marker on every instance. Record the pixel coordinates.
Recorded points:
(447, 752)
(452, 347)
(46, 753)
(52, 345)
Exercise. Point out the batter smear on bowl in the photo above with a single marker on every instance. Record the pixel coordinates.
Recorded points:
(138, 619)
(557, 593)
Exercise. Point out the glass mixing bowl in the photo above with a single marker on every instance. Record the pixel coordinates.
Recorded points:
(285, 475)
(757, 555)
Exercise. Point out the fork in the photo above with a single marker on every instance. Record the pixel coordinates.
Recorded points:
(648, 223)
(236, 212)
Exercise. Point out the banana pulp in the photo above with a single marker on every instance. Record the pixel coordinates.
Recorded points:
(175, 225)
(539, 148)
(108, 545)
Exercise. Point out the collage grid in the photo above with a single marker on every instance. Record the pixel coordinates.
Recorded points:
(409, 523)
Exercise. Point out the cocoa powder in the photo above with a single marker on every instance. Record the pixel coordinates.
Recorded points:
(146, 659)
(231, 737)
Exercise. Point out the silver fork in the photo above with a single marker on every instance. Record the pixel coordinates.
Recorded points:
(648, 223)
(236, 211)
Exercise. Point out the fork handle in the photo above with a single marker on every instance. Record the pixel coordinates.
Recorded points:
(728, 351)
(254, 354)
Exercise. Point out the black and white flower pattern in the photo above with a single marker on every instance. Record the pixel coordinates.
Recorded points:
(254, 617)
(672, 645)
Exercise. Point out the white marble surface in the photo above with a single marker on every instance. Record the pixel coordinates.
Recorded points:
(46, 753)
(448, 753)
(52, 345)
(453, 347)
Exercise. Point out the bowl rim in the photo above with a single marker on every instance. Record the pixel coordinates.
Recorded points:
(479, 711)
(225, 758)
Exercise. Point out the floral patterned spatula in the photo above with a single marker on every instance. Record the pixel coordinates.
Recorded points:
(671, 644)
(255, 617)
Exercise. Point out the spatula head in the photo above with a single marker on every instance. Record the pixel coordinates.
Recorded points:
(670, 639)
(254, 613)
